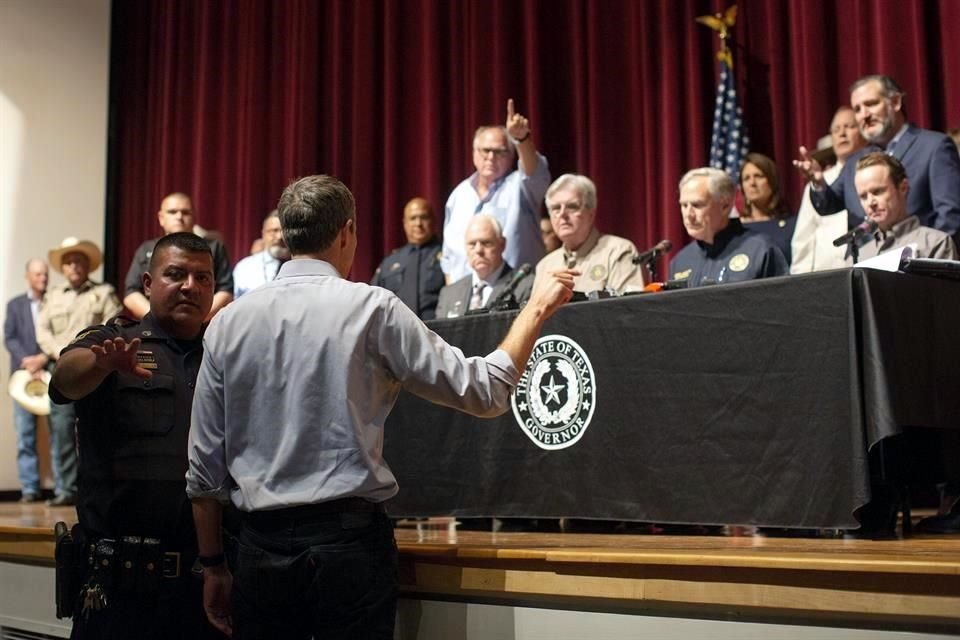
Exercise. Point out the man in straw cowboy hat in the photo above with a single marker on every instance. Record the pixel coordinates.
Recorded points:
(20, 339)
(66, 310)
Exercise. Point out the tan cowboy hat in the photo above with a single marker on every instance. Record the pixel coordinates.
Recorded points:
(72, 245)
(29, 393)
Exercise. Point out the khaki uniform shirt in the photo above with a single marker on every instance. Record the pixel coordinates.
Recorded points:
(66, 311)
(603, 260)
(930, 243)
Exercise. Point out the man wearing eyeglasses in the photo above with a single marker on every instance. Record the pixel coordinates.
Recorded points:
(510, 181)
(604, 261)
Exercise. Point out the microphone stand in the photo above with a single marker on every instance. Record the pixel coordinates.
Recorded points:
(854, 249)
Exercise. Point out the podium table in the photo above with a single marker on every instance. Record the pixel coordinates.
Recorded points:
(752, 403)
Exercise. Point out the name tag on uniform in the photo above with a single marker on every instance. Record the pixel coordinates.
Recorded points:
(147, 360)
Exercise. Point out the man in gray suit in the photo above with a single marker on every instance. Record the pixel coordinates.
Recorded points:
(490, 275)
(20, 339)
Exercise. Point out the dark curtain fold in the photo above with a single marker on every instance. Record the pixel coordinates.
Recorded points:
(230, 99)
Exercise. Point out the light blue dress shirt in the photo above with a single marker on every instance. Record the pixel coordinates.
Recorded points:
(254, 271)
(514, 201)
(298, 378)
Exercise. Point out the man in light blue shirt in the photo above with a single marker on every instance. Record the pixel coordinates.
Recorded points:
(291, 400)
(262, 267)
(512, 196)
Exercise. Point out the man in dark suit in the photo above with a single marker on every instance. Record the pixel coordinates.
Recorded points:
(20, 339)
(489, 276)
(930, 158)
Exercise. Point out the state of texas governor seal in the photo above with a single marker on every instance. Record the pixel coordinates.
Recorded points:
(556, 396)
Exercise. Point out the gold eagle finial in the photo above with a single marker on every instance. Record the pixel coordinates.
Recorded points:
(723, 24)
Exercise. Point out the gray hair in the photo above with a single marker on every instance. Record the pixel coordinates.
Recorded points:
(581, 184)
(497, 227)
(499, 127)
(719, 183)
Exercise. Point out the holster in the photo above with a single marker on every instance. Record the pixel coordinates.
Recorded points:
(71, 564)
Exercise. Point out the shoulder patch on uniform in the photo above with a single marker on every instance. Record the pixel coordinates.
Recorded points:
(739, 262)
(82, 335)
(394, 266)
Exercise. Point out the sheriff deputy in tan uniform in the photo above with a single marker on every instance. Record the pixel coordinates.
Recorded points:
(66, 310)
(604, 261)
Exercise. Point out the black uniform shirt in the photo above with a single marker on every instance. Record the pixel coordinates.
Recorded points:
(414, 274)
(736, 255)
(132, 436)
(140, 264)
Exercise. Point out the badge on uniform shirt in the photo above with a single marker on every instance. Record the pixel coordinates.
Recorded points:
(739, 262)
(598, 272)
(394, 266)
(146, 359)
(682, 275)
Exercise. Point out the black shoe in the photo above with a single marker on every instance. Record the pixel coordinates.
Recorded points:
(65, 500)
(28, 497)
(947, 523)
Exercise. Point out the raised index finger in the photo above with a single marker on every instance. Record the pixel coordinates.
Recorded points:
(509, 108)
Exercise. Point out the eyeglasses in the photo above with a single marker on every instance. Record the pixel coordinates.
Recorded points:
(557, 209)
(498, 152)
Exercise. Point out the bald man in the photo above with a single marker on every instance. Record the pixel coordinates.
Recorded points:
(176, 214)
(413, 271)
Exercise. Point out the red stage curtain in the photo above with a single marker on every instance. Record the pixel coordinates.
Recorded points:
(229, 99)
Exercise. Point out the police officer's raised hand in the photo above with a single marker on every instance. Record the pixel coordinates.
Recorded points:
(119, 355)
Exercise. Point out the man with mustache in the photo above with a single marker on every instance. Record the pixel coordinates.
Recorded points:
(929, 157)
(132, 383)
(65, 311)
(261, 267)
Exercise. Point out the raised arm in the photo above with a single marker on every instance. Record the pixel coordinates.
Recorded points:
(518, 128)
(82, 370)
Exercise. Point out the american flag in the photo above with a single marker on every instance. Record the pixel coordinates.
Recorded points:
(730, 142)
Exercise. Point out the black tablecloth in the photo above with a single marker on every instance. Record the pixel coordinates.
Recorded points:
(749, 403)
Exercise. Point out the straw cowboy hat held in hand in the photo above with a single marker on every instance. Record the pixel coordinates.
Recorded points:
(72, 245)
(30, 393)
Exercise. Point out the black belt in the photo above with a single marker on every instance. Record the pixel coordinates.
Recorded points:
(305, 511)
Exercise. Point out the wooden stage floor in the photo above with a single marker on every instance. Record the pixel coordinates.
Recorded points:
(904, 584)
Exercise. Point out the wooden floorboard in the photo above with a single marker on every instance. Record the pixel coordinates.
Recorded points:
(909, 583)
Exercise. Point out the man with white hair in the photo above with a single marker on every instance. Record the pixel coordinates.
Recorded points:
(489, 275)
(509, 183)
(723, 249)
(604, 261)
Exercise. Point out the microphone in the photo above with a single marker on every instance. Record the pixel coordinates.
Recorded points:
(653, 253)
(865, 228)
(500, 301)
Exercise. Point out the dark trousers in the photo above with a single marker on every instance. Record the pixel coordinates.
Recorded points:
(306, 572)
(176, 614)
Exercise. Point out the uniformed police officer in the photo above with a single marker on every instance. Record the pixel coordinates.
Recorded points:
(133, 386)
(413, 271)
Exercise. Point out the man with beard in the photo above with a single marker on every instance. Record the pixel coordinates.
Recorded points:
(929, 157)
(261, 267)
